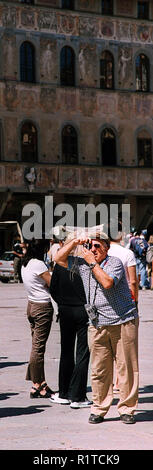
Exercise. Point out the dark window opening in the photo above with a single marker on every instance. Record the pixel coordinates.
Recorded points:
(0, 142)
(68, 4)
(67, 66)
(142, 73)
(69, 145)
(108, 147)
(143, 10)
(144, 149)
(28, 142)
(107, 71)
(29, 2)
(27, 62)
(107, 7)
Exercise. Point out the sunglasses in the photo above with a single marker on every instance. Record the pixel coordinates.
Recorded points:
(90, 245)
(95, 245)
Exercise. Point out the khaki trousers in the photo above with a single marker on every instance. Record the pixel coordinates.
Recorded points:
(119, 342)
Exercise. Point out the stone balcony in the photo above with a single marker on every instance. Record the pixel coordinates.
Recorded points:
(39, 178)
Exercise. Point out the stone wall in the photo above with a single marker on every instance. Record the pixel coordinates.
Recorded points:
(126, 8)
(51, 108)
(73, 180)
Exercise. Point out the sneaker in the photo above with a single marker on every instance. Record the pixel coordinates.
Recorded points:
(56, 399)
(81, 404)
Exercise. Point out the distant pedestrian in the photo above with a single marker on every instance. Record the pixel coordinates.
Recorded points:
(18, 251)
(139, 246)
(36, 279)
(149, 260)
(73, 369)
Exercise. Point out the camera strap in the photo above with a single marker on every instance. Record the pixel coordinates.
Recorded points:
(89, 290)
(102, 266)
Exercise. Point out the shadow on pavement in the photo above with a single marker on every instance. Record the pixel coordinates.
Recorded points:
(144, 416)
(11, 364)
(146, 400)
(4, 396)
(8, 412)
(146, 389)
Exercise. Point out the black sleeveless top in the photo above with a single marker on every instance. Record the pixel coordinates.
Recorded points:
(66, 290)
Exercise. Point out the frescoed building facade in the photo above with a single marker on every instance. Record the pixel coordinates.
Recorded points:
(76, 104)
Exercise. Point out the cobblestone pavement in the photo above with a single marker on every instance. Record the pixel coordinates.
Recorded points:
(37, 424)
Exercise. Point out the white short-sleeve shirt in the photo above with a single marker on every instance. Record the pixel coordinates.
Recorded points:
(125, 255)
(35, 285)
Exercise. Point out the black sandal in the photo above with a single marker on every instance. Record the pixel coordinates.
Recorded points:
(48, 393)
(48, 389)
(35, 394)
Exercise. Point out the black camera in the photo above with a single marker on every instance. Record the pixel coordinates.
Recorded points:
(87, 245)
(91, 311)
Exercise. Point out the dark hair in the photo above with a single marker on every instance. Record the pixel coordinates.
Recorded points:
(137, 233)
(36, 249)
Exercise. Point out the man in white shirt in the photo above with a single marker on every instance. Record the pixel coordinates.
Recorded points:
(129, 262)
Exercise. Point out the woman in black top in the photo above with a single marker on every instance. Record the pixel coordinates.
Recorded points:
(73, 369)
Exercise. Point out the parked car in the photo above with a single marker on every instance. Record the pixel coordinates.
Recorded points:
(7, 266)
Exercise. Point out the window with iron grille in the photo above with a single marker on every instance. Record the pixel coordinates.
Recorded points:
(107, 71)
(69, 145)
(142, 73)
(27, 62)
(67, 66)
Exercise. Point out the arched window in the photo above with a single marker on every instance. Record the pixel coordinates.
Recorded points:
(67, 66)
(107, 7)
(68, 4)
(108, 147)
(29, 142)
(106, 71)
(144, 149)
(69, 145)
(27, 62)
(142, 73)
